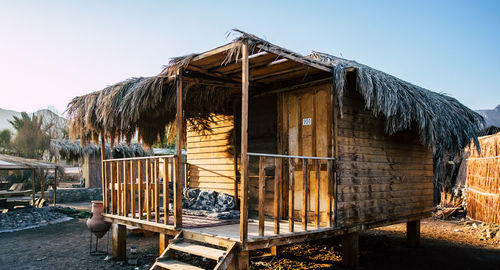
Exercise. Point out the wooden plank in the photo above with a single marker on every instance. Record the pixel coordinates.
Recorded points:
(178, 160)
(156, 180)
(305, 193)
(199, 250)
(132, 188)
(291, 196)
(112, 168)
(140, 187)
(244, 145)
(318, 188)
(330, 192)
(147, 192)
(126, 185)
(277, 193)
(262, 191)
(33, 173)
(119, 188)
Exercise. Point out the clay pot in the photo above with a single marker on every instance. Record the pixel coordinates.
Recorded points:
(96, 223)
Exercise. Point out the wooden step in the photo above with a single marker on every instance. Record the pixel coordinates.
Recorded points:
(176, 265)
(199, 250)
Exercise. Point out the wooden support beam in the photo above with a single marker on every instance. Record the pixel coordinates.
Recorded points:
(244, 147)
(334, 132)
(305, 192)
(33, 192)
(178, 159)
(126, 183)
(55, 185)
(42, 184)
(132, 188)
(291, 191)
(413, 233)
(277, 195)
(243, 260)
(104, 186)
(292, 56)
(350, 249)
(262, 195)
(162, 242)
(119, 241)
(166, 197)
(156, 192)
(139, 187)
(119, 188)
(329, 173)
(112, 187)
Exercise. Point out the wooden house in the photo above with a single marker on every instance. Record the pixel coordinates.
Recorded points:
(311, 146)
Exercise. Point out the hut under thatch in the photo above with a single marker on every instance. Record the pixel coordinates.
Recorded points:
(89, 156)
(317, 140)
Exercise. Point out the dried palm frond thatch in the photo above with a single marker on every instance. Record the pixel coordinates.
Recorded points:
(73, 150)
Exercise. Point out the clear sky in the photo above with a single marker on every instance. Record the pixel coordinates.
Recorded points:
(52, 51)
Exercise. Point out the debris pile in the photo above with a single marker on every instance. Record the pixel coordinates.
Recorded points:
(28, 218)
(451, 204)
(485, 231)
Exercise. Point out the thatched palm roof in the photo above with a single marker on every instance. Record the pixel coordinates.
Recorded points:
(148, 105)
(73, 150)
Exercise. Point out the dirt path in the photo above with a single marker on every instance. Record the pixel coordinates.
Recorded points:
(444, 245)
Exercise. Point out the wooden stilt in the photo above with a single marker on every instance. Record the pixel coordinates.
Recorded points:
(119, 242)
(413, 233)
(163, 242)
(42, 185)
(276, 250)
(243, 260)
(178, 158)
(244, 148)
(350, 249)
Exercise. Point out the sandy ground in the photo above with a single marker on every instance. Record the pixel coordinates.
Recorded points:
(444, 245)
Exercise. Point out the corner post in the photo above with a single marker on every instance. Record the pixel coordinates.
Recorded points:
(413, 233)
(244, 146)
(103, 175)
(178, 159)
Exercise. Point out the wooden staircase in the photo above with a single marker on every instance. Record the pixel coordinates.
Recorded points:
(219, 250)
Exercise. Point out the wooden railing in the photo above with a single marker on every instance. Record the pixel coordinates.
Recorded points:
(307, 165)
(133, 187)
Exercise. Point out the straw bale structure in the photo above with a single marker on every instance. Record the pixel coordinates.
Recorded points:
(483, 180)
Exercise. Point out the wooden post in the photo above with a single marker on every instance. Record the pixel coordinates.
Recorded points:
(305, 191)
(33, 186)
(42, 184)
(126, 183)
(104, 187)
(244, 147)
(262, 195)
(55, 185)
(178, 159)
(243, 260)
(350, 249)
(291, 193)
(139, 188)
(333, 166)
(413, 233)
(330, 192)
(132, 189)
(166, 199)
(112, 173)
(119, 241)
(163, 242)
(156, 180)
(119, 188)
(277, 193)
(147, 192)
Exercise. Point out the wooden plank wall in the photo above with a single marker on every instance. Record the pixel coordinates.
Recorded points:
(211, 156)
(380, 177)
(91, 171)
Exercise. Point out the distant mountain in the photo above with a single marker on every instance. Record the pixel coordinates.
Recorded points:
(49, 116)
(492, 117)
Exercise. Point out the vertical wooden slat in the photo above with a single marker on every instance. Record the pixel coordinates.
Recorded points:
(33, 172)
(318, 176)
(305, 191)
(277, 195)
(244, 146)
(139, 188)
(178, 160)
(291, 195)
(157, 190)
(55, 186)
(119, 187)
(132, 188)
(334, 121)
(126, 183)
(42, 184)
(330, 192)
(166, 197)
(147, 192)
(262, 195)
(112, 187)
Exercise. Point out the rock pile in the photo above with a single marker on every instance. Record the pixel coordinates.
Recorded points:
(485, 231)
(29, 218)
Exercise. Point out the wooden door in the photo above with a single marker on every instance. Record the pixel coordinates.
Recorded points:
(305, 130)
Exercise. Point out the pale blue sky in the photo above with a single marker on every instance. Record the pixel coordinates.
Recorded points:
(51, 51)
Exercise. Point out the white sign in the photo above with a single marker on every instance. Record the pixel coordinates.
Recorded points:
(307, 121)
